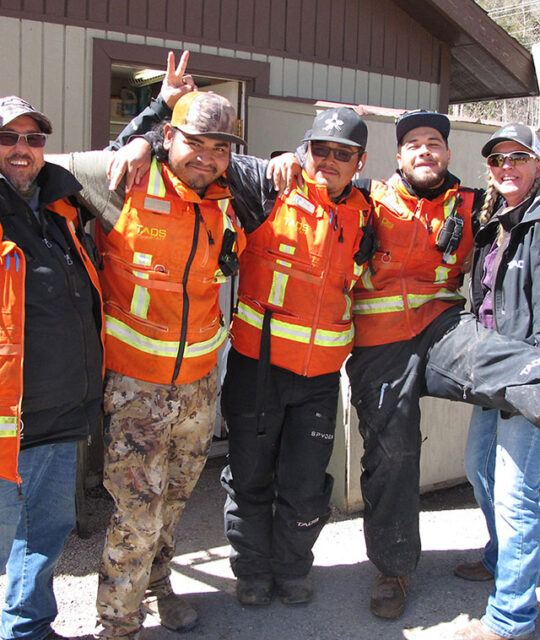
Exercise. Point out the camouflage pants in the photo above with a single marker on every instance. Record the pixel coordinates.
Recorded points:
(156, 445)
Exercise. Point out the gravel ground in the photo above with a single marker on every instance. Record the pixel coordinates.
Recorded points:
(452, 531)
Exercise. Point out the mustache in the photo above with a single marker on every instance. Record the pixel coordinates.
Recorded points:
(202, 165)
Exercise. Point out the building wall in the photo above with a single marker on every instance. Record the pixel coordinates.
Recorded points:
(50, 65)
(373, 35)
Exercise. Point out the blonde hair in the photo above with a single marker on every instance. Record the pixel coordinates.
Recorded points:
(491, 197)
(489, 202)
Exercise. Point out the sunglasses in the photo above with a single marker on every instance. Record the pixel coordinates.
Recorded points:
(515, 158)
(341, 155)
(10, 139)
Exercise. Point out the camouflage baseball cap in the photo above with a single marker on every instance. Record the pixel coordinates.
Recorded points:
(203, 113)
(12, 107)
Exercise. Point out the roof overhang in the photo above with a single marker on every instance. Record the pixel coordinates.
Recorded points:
(486, 62)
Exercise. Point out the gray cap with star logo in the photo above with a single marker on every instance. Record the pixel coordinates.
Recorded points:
(342, 125)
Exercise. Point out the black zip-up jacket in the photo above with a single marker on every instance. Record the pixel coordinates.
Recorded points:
(516, 282)
(62, 369)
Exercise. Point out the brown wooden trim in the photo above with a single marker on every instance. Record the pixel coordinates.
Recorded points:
(97, 11)
(465, 23)
(256, 75)
(76, 9)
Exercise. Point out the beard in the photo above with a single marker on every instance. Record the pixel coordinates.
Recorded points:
(425, 181)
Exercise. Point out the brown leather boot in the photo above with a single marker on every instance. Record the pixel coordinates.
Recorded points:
(172, 611)
(295, 590)
(256, 590)
(389, 595)
(474, 571)
(476, 630)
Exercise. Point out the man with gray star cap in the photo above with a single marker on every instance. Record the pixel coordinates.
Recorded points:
(51, 364)
(290, 335)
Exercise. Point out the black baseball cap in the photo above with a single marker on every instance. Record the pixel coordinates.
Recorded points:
(342, 125)
(12, 107)
(422, 118)
(514, 132)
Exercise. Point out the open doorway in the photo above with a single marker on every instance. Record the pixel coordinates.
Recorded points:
(132, 87)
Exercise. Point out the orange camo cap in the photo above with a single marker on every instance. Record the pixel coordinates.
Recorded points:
(204, 113)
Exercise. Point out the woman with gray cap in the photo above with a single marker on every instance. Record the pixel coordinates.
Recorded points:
(502, 458)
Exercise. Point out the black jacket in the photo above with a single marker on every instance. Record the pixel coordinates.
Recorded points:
(62, 370)
(516, 283)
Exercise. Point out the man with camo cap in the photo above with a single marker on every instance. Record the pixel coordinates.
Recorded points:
(165, 245)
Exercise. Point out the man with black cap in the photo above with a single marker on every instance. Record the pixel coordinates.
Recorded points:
(399, 307)
(291, 332)
(51, 364)
(413, 338)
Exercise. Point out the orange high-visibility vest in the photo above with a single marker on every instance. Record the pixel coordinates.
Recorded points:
(299, 265)
(161, 279)
(12, 291)
(414, 282)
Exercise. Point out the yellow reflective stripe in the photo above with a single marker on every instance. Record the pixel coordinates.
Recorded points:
(390, 304)
(277, 327)
(140, 301)
(418, 300)
(280, 280)
(224, 204)
(448, 206)
(287, 248)
(126, 334)
(279, 284)
(123, 332)
(8, 426)
(441, 274)
(367, 281)
(206, 346)
(219, 277)
(297, 333)
(347, 314)
(325, 338)
(156, 186)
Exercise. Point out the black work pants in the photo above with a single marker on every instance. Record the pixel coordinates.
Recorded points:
(278, 491)
(455, 357)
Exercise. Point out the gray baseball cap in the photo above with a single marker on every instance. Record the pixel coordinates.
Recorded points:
(342, 125)
(12, 107)
(514, 132)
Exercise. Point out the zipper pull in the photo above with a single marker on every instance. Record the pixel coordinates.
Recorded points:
(345, 288)
(48, 243)
(68, 259)
(340, 239)
(335, 223)
(210, 238)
